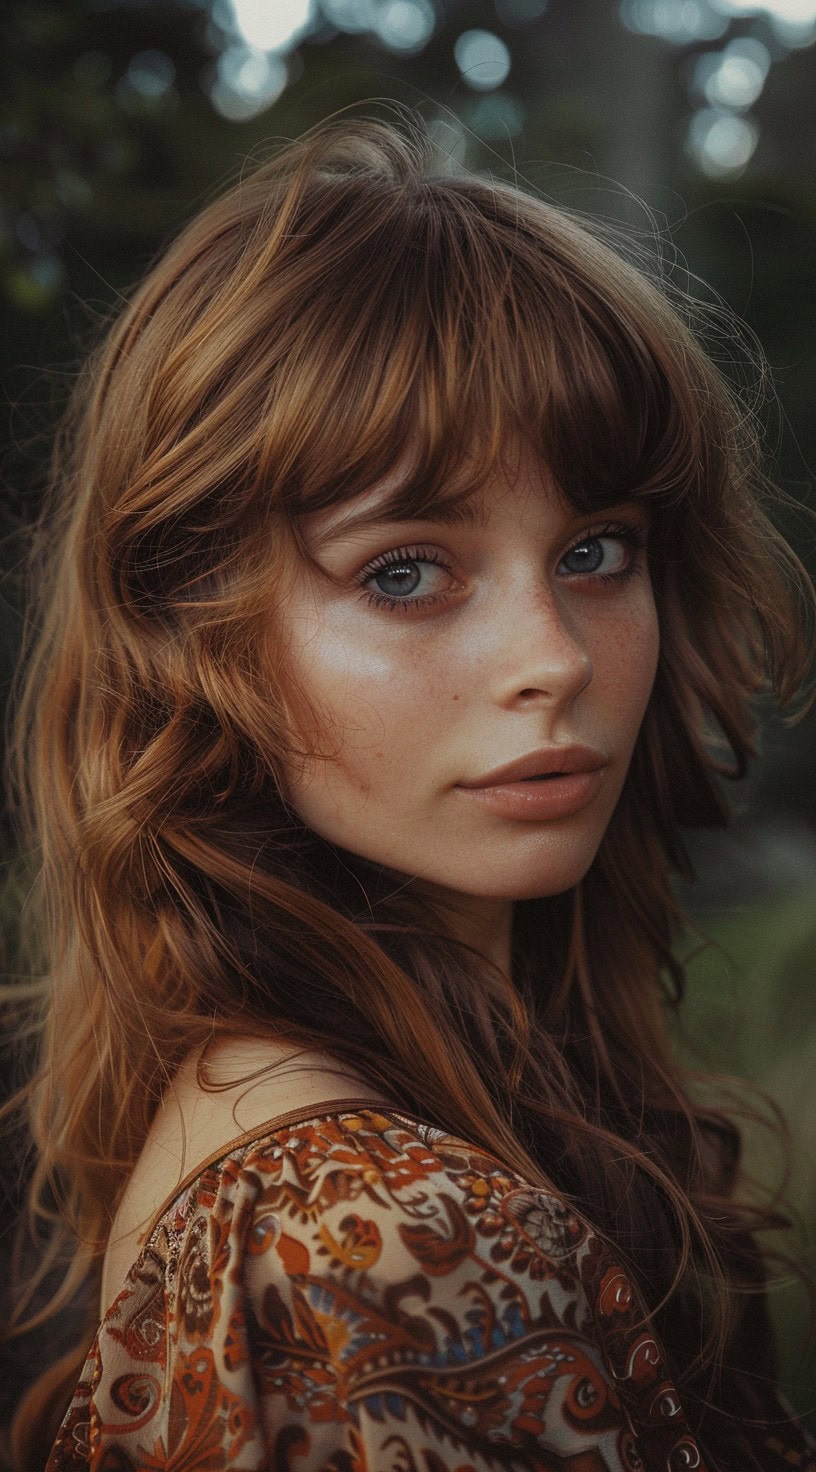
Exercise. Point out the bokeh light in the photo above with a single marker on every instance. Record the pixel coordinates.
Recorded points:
(405, 25)
(151, 74)
(246, 82)
(720, 142)
(735, 76)
(496, 116)
(793, 21)
(794, 12)
(272, 25)
(353, 16)
(483, 59)
(680, 23)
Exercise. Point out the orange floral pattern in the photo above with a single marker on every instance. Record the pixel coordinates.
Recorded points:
(360, 1292)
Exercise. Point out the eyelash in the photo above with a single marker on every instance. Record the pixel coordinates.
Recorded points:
(634, 536)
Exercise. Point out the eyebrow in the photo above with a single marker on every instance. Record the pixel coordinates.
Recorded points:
(467, 513)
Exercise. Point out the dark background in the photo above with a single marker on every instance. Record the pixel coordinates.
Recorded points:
(690, 122)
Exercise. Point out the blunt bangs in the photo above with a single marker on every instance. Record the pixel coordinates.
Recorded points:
(462, 328)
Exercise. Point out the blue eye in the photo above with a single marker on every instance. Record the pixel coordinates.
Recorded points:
(401, 564)
(630, 535)
(397, 565)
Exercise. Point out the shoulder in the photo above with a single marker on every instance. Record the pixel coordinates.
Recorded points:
(244, 1083)
(375, 1262)
(368, 1190)
(362, 1285)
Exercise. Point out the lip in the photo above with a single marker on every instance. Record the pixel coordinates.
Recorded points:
(539, 801)
(562, 759)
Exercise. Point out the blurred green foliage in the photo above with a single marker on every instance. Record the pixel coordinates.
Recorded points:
(749, 1011)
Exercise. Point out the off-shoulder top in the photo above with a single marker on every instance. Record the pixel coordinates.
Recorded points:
(351, 1289)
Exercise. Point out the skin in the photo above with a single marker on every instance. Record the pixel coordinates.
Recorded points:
(523, 651)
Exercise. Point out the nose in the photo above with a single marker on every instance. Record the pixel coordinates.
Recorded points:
(542, 653)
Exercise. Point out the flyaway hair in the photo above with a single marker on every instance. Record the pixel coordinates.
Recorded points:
(351, 306)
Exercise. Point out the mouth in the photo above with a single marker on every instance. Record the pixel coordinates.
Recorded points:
(560, 795)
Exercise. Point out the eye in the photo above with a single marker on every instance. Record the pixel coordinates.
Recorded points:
(399, 567)
(616, 531)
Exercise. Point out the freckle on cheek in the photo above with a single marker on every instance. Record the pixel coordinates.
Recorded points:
(455, 697)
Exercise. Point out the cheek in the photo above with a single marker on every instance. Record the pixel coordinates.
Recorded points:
(365, 706)
(624, 652)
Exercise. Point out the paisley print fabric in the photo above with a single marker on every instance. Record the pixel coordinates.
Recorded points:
(360, 1292)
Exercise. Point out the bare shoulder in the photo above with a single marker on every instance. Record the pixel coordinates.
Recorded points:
(241, 1083)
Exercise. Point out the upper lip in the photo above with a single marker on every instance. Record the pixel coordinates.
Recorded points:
(545, 759)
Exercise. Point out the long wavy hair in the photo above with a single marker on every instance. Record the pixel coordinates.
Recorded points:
(353, 299)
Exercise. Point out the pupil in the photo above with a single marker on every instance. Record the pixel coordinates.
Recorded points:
(580, 552)
(399, 573)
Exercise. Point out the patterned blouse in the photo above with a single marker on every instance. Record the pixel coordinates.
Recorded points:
(357, 1291)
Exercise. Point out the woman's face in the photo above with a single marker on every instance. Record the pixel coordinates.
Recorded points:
(524, 646)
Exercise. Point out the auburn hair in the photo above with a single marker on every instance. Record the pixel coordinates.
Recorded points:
(352, 300)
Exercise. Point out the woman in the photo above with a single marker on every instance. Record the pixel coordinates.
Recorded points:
(405, 586)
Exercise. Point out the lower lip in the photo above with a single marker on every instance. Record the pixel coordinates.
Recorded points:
(554, 797)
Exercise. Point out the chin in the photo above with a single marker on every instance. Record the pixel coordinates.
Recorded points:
(533, 884)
